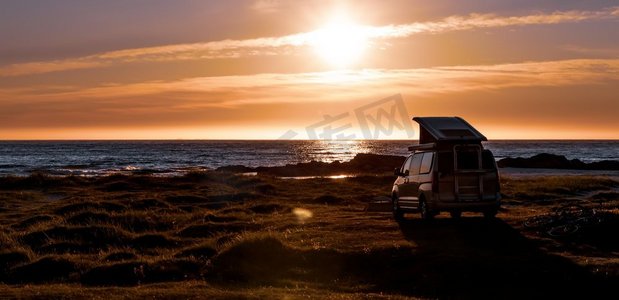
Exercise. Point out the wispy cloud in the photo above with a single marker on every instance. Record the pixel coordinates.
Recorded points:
(291, 99)
(285, 44)
(232, 91)
(51, 66)
(266, 6)
(598, 51)
(475, 21)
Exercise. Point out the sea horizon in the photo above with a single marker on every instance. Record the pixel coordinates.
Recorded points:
(174, 157)
(274, 140)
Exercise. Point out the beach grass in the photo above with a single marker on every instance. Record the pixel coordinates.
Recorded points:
(218, 234)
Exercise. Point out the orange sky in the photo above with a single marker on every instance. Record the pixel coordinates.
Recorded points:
(261, 69)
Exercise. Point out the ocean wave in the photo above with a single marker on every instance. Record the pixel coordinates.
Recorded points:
(175, 157)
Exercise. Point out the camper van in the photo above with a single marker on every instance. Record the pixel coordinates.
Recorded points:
(449, 170)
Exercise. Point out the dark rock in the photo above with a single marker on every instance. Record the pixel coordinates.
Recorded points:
(361, 163)
(552, 161)
(235, 169)
(603, 165)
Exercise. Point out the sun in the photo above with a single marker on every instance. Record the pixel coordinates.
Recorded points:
(340, 43)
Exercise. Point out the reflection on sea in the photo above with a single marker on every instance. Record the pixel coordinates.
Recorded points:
(328, 177)
(332, 150)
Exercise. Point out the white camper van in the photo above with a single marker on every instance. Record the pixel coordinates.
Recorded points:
(449, 170)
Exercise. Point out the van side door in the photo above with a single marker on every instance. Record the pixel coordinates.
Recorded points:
(402, 178)
(425, 173)
(408, 190)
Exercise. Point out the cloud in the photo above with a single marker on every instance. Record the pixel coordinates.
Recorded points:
(51, 66)
(286, 44)
(598, 51)
(475, 21)
(266, 6)
(234, 91)
(510, 95)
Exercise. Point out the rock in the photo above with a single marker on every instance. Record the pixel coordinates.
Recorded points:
(235, 169)
(361, 163)
(552, 161)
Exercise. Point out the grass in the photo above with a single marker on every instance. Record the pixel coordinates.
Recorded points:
(223, 235)
(554, 187)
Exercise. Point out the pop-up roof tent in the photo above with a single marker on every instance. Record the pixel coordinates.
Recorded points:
(437, 130)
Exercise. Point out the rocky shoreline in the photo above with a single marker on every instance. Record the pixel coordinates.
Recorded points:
(378, 164)
(361, 163)
(552, 161)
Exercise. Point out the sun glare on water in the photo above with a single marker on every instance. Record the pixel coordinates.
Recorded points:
(341, 42)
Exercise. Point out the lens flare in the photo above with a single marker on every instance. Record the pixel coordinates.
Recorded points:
(302, 214)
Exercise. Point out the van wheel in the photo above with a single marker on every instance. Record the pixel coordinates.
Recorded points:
(455, 214)
(426, 214)
(490, 214)
(398, 214)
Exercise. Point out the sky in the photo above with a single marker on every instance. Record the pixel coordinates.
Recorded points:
(275, 69)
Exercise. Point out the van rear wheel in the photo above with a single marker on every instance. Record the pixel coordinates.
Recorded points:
(490, 214)
(455, 214)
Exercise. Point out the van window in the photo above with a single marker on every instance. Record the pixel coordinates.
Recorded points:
(487, 160)
(467, 159)
(415, 163)
(406, 165)
(426, 163)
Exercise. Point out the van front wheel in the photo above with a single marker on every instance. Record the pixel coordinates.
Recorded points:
(398, 214)
(426, 214)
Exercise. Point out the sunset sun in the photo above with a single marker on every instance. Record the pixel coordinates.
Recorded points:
(340, 43)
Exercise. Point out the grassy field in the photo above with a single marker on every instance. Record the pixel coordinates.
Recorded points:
(217, 234)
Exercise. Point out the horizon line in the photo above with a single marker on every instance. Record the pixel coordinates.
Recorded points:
(279, 140)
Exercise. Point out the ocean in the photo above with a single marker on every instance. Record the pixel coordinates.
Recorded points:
(176, 157)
